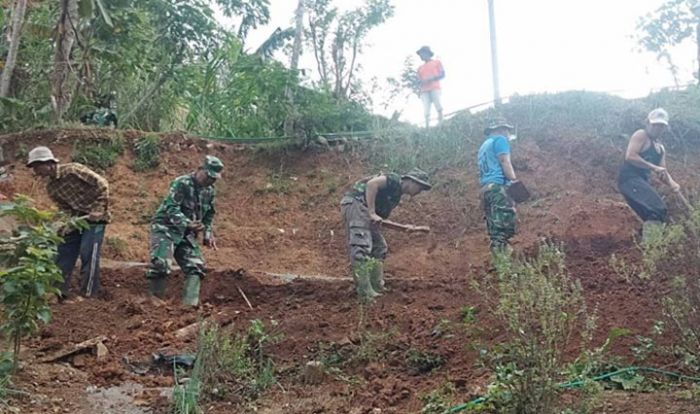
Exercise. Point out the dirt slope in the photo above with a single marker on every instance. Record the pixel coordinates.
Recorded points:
(279, 215)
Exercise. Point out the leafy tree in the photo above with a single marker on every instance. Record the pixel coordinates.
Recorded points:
(337, 39)
(170, 64)
(671, 24)
(235, 94)
(254, 13)
(186, 29)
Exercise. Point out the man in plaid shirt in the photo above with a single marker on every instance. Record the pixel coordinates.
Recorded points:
(79, 192)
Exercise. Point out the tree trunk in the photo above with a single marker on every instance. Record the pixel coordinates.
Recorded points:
(294, 65)
(65, 37)
(319, 53)
(348, 84)
(15, 35)
(697, 41)
(298, 34)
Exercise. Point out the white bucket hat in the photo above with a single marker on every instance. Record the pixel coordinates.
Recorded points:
(40, 154)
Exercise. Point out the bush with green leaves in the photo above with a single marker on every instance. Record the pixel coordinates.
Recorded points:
(147, 150)
(672, 254)
(681, 310)
(421, 362)
(98, 154)
(438, 401)
(663, 247)
(237, 366)
(30, 275)
(226, 366)
(541, 308)
(116, 246)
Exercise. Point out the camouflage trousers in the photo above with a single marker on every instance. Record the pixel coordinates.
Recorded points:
(499, 209)
(186, 253)
(364, 240)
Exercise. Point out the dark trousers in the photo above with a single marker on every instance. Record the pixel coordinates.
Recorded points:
(643, 199)
(87, 245)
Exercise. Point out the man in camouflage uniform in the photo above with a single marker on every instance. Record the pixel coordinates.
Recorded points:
(495, 175)
(106, 113)
(365, 208)
(186, 211)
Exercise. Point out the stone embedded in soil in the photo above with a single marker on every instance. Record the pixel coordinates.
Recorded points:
(101, 350)
(314, 373)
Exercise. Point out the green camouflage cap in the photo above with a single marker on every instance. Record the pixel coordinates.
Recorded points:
(419, 176)
(213, 166)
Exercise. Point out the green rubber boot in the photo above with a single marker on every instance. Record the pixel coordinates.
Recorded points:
(365, 292)
(191, 295)
(156, 285)
(376, 276)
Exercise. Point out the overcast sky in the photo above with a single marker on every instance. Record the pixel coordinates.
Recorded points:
(544, 46)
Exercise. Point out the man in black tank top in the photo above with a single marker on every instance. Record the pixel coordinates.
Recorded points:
(645, 154)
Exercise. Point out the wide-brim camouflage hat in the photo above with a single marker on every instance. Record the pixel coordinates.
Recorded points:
(213, 166)
(419, 176)
(496, 123)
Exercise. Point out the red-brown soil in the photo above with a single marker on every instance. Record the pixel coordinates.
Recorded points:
(279, 215)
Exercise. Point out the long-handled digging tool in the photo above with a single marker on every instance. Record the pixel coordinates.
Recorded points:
(684, 200)
(93, 268)
(93, 256)
(405, 227)
(689, 207)
(431, 242)
(239, 273)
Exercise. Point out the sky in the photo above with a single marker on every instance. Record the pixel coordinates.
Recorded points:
(543, 46)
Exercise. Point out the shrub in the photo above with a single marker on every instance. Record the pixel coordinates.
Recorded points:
(664, 248)
(31, 274)
(147, 150)
(226, 366)
(438, 401)
(117, 246)
(674, 250)
(99, 155)
(420, 362)
(541, 306)
(681, 309)
(237, 366)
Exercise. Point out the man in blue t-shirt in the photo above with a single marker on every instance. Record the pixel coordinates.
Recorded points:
(495, 174)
